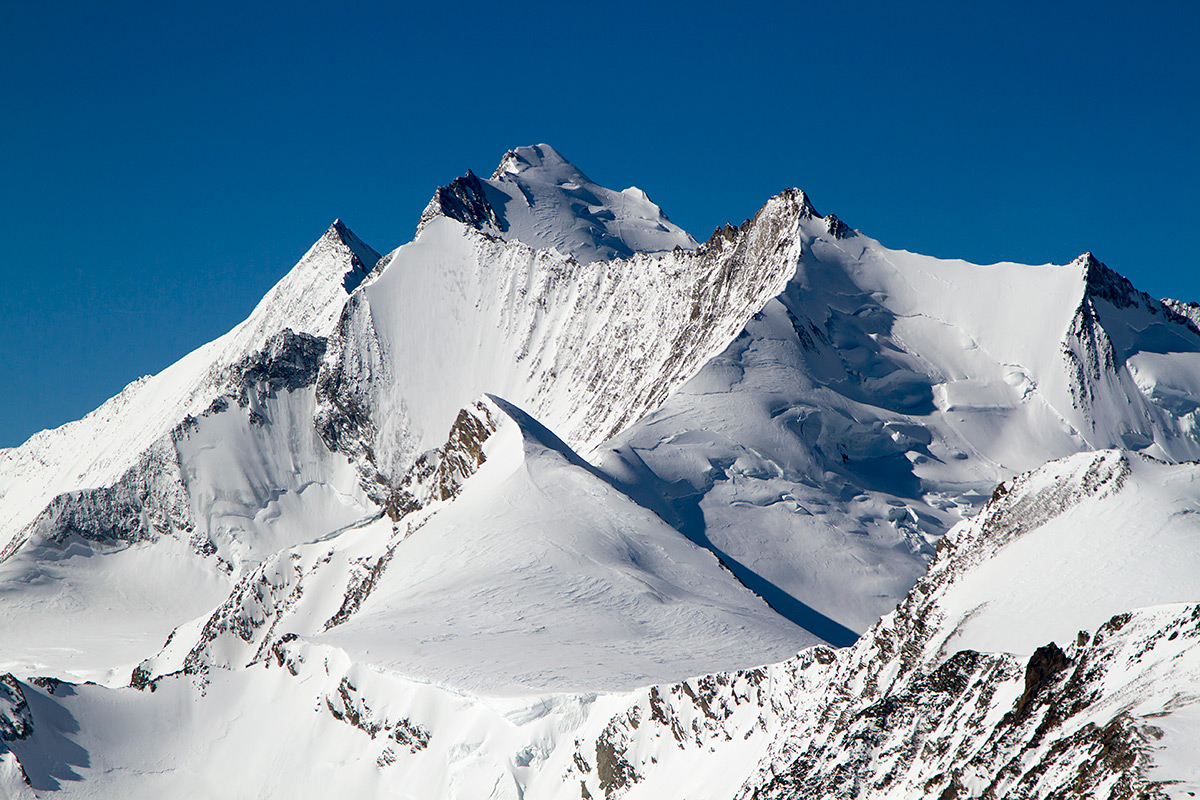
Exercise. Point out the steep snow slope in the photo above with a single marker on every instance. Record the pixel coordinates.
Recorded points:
(543, 575)
(903, 713)
(122, 525)
(538, 197)
(811, 407)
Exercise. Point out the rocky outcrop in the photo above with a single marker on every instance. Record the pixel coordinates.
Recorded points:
(464, 200)
(16, 720)
(150, 500)
(896, 715)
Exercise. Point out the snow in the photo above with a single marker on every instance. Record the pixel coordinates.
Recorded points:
(259, 488)
(876, 402)
(84, 612)
(1137, 546)
(586, 348)
(699, 459)
(98, 449)
(541, 199)
(543, 575)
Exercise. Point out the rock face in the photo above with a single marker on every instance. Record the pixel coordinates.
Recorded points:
(16, 722)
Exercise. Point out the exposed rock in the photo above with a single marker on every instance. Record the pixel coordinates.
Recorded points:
(16, 720)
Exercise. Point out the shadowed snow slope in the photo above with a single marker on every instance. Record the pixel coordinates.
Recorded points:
(542, 574)
(533, 573)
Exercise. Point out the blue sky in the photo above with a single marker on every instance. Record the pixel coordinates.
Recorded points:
(165, 164)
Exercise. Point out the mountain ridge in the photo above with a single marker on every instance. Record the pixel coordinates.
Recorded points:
(523, 507)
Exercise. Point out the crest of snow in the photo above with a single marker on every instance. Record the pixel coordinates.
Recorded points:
(1069, 546)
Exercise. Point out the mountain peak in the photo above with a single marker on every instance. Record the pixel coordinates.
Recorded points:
(363, 257)
(1105, 283)
(536, 156)
(537, 197)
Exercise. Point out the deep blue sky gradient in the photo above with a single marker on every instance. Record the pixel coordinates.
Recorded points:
(164, 164)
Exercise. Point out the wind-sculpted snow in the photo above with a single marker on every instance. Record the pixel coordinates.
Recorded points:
(246, 627)
(882, 395)
(461, 521)
(117, 528)
(587, 348)
(228, 487)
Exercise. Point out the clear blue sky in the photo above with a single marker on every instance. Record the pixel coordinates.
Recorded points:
(164, 164)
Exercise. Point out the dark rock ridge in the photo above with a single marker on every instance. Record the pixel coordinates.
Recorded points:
(465, 200)
(1098, 343)
(16, 721)
(347, 705)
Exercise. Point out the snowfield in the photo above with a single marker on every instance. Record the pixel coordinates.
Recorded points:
(553, 501)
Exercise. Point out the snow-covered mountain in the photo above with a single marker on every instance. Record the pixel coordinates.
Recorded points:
(466, 520)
